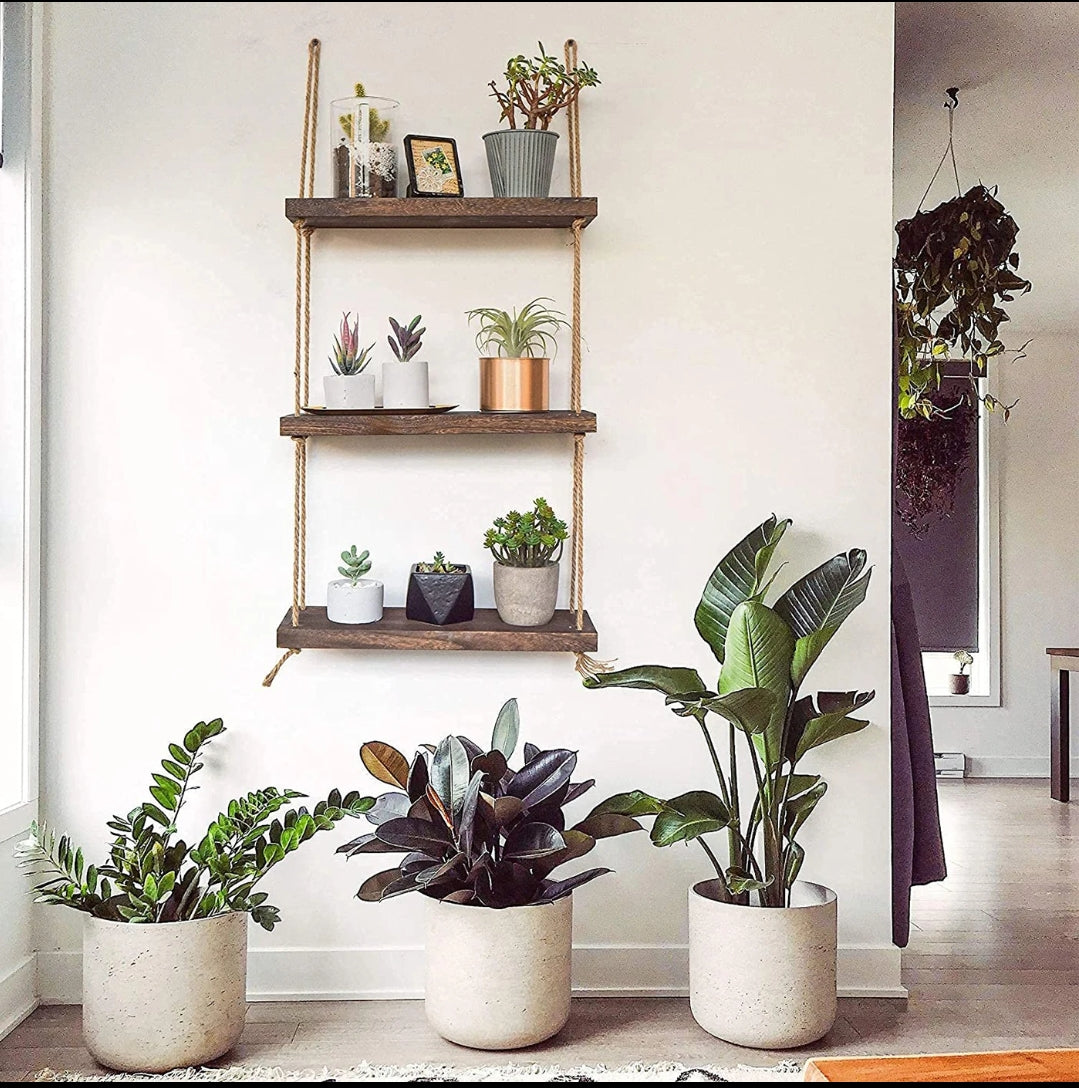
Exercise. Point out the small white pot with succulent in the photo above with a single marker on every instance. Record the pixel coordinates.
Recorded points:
(349, 386)
(959, 682)
(353, 598)
(526, 548)
(405, 382)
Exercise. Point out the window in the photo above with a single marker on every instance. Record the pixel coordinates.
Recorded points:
(19, 418)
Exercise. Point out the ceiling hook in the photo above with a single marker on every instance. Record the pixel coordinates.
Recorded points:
(952, 102)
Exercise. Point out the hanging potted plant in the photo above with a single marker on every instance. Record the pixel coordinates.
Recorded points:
(482, 843)
(440, 592)
(959, 682)
(517, 379)
(349, 386)
(521, 158)
(354, 598)
(405, 382)
(779, 988)
(526, 549)
(165, 933)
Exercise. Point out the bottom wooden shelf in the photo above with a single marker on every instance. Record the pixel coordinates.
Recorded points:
(395, 632)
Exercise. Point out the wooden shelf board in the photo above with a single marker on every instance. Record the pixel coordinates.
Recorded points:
(395, 632)
(326, 425)
(441, 212)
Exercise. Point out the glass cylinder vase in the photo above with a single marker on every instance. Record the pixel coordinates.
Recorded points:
(362, 144)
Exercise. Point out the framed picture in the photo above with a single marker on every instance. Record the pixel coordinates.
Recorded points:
(433, 169)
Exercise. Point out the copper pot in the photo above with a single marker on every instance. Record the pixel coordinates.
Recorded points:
(514, 385)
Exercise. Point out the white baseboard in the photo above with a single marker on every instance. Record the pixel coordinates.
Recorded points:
(18, 995)
(356, 974)
(1012, 767)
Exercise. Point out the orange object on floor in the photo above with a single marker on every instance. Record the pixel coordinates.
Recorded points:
(1011, 1065)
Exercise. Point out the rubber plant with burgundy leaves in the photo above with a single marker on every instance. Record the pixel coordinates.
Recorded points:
(765, 653)
(474, 831)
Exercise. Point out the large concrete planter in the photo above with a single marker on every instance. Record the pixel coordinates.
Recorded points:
(498, 979)
(526, 596)
(761, 977)
(160, 997)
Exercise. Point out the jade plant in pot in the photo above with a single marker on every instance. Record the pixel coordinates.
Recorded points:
(440, 592)
(521, 158)
(526, 549)
(779, 988)
(482, 843)
(350, 385)
(353, 598)
(165, 933)
(405, 381)
(517, 377)
(959, 682)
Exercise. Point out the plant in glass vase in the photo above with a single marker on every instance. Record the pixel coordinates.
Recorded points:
(364, 154)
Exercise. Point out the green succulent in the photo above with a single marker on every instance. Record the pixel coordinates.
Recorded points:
(379, 127)
(440, 565)
(532, 539)
(356, 566)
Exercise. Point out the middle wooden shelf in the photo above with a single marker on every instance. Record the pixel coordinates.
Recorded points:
(329, 425)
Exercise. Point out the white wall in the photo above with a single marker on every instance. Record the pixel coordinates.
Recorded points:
(1016, 128)
(743, 237)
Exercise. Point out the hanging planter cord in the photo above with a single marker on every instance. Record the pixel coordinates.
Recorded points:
(951, 104)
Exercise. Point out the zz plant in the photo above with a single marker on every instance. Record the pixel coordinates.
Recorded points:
(532, 539)
(472, 830)
(765, 653)
(151, 876)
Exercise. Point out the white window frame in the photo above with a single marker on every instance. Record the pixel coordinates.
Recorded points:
(23, 86)
(985, 679)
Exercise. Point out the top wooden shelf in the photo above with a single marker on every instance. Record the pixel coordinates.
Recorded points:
(443, 213)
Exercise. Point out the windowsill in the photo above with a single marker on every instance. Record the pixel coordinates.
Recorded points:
(964, 700)
(16, 819)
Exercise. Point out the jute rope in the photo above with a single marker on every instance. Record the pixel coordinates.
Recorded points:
(302, 364)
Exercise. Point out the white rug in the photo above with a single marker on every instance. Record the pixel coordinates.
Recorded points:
(638, 1073)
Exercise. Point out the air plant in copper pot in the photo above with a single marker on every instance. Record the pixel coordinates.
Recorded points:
(474, 831)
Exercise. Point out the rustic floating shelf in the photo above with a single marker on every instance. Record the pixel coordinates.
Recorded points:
(317, 424)
(441, 212)
(395, 632)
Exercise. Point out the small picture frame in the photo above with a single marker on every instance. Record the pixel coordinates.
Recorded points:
(433, 167)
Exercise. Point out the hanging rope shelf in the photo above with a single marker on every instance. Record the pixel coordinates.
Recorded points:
(308, 628)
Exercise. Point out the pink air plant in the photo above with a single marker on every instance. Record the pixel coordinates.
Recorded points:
(347, 359)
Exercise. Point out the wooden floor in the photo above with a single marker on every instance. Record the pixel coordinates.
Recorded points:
(993, 964)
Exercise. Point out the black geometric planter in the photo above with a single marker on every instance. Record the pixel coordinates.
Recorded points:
(440, 598)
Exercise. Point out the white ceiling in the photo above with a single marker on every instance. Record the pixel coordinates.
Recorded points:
(1017, 127)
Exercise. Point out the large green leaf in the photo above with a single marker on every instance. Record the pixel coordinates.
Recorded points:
(828, 720)
(816, 606)
(451, 774)
(738, 577)
(507, 729)
(689, 816)
(760, 648)
(637, 803)
(670, 681)
(749, 709)
(804, 792)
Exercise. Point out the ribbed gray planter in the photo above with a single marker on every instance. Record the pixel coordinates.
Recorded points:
(521, 161)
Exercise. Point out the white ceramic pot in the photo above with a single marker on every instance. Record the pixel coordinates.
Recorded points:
(763, 977)
(526, 596)
(349, 390)
(405, 385)
(359, 603)
(161, 997)
(498, 979)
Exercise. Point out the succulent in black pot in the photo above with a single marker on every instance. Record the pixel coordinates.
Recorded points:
(482, 842)
(440, 592)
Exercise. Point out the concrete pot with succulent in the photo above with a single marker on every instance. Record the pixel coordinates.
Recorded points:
(354, 598)
(526, 549)
(481, 842)
(165, 934)
(440, 592)
(521, 158)
(517, 378)
(406, 382)
(779, 990)
(959, 682)
(350, 386)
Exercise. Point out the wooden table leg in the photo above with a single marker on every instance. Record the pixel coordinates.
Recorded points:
(1059, 736)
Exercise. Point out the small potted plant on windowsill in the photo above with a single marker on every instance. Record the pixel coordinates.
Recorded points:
(959, 682)
(526, 549)
(521, 160)
(354, 598)
(349, 386)
(440, 592)
(165, 937)
(482, 842)
(517, 379)
(405, 382)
